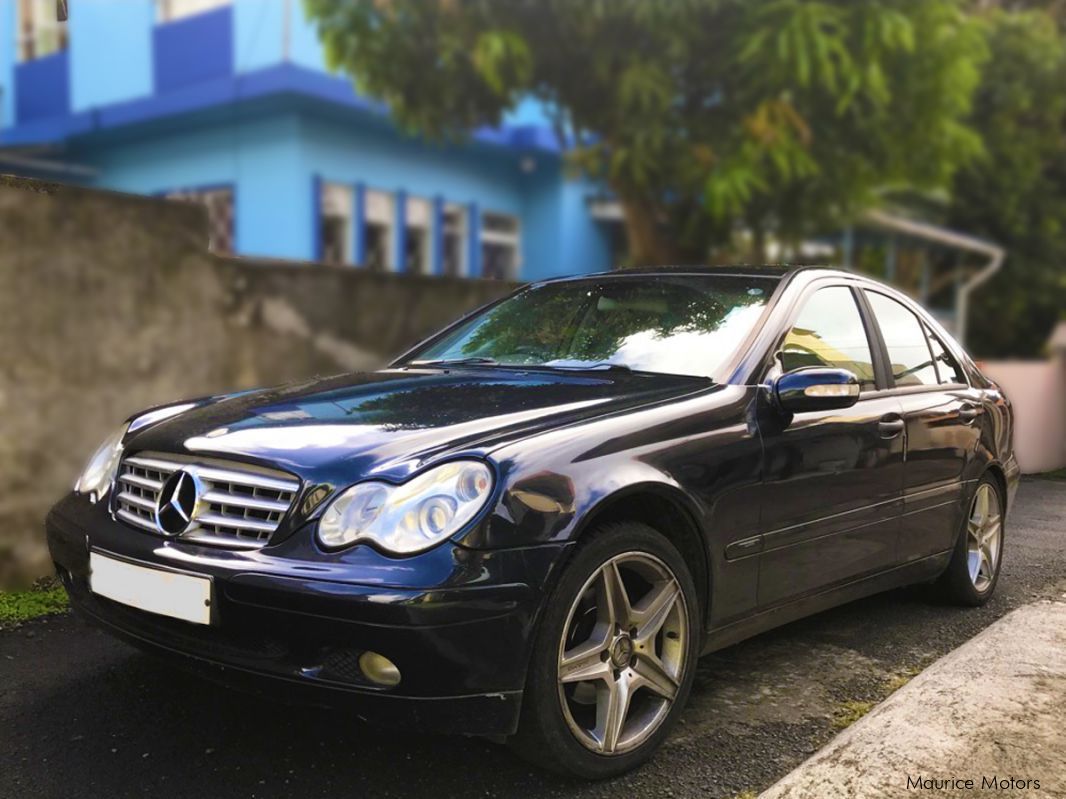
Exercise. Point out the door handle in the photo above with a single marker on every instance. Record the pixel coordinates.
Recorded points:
(890, 428)
(968, 412)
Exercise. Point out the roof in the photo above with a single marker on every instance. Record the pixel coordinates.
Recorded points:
(745, 270)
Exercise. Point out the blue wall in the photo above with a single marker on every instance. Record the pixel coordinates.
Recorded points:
(110, 51)
(193, 50)
(7, 63)
(560, 237)
(260, 158)
(42, 87)
(379, 158)
(260, 35)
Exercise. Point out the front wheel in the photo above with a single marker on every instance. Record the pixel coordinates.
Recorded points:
(614, 658)
(973, 572)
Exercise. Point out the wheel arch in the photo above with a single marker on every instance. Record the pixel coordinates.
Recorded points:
(669, 512)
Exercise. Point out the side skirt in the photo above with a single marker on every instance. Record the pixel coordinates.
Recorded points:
(927, 568)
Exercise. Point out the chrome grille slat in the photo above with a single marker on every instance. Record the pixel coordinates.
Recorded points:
(136, 520)
(167, 467)
(125, 497)
(141, 482)
(223, 498)
(240, 506)
(214, 475)
(236, 522)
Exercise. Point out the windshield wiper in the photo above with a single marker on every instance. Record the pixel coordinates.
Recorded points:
(608, 366)
(474, 361)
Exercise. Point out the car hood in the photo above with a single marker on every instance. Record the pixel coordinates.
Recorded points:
(391, 422)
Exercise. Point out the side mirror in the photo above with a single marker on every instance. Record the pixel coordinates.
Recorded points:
(816, 389)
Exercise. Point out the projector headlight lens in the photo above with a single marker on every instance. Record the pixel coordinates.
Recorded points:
(411, 517)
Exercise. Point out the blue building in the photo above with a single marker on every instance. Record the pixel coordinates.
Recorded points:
(228, 102)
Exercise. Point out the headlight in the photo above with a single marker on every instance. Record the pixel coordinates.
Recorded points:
(96, 479)
(408, 518)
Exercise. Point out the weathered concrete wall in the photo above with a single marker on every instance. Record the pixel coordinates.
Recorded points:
(1037, 390)
(110, 303)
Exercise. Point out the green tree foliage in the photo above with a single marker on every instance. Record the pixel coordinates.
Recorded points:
(1016, 194)
(704, 117)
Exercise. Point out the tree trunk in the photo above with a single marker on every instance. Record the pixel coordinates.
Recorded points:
(649, 244)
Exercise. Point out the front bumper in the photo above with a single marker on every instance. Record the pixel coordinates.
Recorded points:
(291, 622)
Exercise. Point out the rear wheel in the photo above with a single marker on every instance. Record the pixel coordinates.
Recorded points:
(972, 574)
(614, 657)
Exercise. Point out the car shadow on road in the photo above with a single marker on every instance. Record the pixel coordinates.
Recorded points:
(120, 723)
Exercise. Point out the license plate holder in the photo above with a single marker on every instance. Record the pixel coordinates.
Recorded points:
(165, 592)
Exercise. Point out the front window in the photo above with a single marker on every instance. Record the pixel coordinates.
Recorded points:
(454, 240)
(378, 230)
(829, 333)
(677, 324)
(40, 31)
(500, 241)
(336, 223)
(419, 220)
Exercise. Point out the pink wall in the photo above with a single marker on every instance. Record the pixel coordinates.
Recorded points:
(1037, 390)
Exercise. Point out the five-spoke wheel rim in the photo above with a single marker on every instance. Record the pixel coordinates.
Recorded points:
(623, 653)
(984, 537)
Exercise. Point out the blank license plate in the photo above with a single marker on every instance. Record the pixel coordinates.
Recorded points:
(180, 596)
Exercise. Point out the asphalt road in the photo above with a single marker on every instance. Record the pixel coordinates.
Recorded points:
(84, 715)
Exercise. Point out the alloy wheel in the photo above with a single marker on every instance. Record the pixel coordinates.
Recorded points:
(984, 531)
(623, 653)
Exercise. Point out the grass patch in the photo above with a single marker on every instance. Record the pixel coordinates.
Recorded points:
(1058, 474)
(898, 680)
(21, 606)
(850, 712)
(746, 795)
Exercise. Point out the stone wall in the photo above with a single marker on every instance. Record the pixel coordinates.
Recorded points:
(110, 303)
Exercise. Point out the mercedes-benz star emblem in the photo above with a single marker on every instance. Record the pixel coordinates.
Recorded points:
(177, 503)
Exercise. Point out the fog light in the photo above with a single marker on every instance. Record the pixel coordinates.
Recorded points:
(379, 669)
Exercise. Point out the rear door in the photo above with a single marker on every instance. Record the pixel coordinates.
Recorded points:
(940, 412)
(831, 495)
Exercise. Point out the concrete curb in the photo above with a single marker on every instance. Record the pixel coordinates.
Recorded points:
(988, 719)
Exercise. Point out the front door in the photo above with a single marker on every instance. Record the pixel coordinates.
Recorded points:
(833, 480)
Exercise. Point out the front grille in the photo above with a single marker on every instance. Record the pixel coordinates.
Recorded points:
(239, 506)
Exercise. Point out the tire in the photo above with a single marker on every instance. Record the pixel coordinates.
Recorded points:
(972, 574)
(564, 726)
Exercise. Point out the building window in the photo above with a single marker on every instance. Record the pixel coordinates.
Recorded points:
(336, 223)
(500, 246)
(454, 241)
(418, 254)
(378, 230)
(40, 33)
(219, 205)
(170, 10)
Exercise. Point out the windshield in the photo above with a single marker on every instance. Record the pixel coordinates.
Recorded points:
(675, 324)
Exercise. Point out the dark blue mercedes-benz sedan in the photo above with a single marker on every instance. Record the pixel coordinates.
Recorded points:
(531, 525)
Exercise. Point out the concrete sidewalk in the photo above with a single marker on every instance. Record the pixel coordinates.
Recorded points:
(989, 719)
